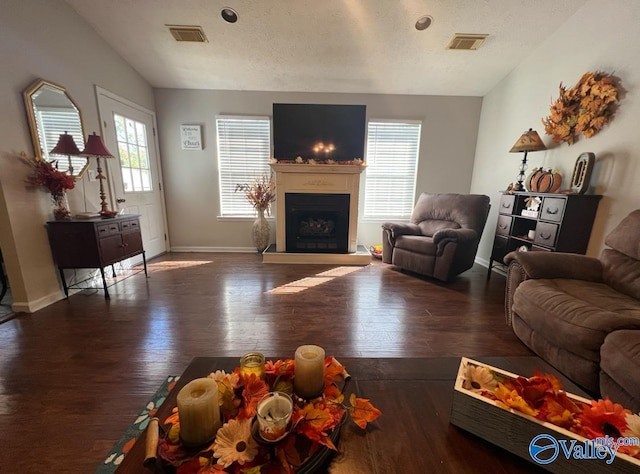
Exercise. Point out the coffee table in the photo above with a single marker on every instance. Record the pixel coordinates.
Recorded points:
(413, 434)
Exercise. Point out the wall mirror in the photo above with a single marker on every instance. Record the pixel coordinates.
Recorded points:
(52, 112)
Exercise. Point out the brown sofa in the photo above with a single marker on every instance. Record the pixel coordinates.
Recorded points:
(441, 239)
(582, 314)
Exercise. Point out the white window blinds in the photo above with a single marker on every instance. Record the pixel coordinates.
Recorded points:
(392, 161)
(243, 155)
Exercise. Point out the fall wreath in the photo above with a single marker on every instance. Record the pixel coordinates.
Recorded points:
(584, 108)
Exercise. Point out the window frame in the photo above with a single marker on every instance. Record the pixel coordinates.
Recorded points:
(238, 207)
(372, 173)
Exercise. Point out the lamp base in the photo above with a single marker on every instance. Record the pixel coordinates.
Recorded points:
(108, 214)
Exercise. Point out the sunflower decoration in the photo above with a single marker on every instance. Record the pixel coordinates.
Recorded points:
(583, 109)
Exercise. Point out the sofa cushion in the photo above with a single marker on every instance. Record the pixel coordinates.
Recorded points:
(430, 227)
(620, 361)
(574, 314)
(416, 243)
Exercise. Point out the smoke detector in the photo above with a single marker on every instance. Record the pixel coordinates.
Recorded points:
(188, 33)
(466, 41)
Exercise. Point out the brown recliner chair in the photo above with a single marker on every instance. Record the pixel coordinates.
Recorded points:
(441, 239)
(582, 314)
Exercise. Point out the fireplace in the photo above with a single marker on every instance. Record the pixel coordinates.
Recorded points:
(322, 202)
(317, 223)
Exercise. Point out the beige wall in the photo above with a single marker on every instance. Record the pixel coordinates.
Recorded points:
(449, 134)
(47, 39)
(592, 40)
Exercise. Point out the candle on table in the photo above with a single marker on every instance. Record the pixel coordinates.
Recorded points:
(274, 412)
(252, 363)
(308, 381)
(199, 411)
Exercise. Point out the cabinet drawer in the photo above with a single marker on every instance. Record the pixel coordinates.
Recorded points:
(506, 204)
(546, 234)
(552, 209)
(128, 226)
(108, 229)
(504, 225)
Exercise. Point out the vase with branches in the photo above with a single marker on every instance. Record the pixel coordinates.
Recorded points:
(260, 193)
(45, 175)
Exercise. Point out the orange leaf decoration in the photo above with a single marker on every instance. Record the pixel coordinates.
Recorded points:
(362, 411)
(254, 390)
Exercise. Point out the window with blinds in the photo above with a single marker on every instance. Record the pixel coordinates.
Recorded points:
(392, 161)
(244, 147)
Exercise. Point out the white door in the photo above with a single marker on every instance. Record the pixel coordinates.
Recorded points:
(134, 176)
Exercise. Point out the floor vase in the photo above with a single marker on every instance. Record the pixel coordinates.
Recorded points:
(261, 232)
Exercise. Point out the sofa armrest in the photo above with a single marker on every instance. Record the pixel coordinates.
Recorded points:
(527, 265)
(396, 229)
(457, 235)
(556, 265)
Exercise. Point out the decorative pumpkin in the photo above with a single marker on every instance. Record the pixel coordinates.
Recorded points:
(541, 181)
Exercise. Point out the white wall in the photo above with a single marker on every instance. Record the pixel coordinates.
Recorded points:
(599, 37)
(449, 135)
(46, 39)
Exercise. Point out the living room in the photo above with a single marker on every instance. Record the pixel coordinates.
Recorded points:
(471, 156)
(465, 140)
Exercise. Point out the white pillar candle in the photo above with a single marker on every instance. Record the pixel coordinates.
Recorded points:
(199, 411)
(309, 373)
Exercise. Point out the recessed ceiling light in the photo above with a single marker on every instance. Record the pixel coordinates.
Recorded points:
(229, 15)
(424, 22)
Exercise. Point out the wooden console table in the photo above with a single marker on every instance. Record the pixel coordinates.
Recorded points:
(95, 243)
(413, 434)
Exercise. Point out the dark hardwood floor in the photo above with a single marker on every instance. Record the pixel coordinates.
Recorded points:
(74, 375)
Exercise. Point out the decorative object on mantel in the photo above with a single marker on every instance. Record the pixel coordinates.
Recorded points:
(247, 443)
(313, 161)
(517, 411)
(57, 183)
(96, 147)
(583, 109)
(528, 141)
(261, 193)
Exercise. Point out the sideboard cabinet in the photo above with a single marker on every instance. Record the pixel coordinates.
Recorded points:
(543, 222)
(95, 243)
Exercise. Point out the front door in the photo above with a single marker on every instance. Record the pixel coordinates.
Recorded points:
(134, 176)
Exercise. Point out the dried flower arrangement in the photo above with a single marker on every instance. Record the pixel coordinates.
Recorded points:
(57, 182)
(261, 193)
(585, 108)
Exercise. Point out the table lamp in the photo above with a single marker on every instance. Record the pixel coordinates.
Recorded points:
(66, 146)
(528, 141)
(96, 147)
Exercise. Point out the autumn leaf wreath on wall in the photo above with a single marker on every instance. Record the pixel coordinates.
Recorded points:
(584, 108)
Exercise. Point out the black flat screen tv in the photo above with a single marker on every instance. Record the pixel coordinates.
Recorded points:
(298, 129)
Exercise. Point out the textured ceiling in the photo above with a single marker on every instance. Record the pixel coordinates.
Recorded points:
(354, 46)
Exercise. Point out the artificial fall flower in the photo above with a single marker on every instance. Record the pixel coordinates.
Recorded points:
(478, 379)
(633, 426)
(234, 443)
(602, 418)
(511, 399)
(254, 390)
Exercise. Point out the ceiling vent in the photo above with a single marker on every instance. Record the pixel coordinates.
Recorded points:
(188, 33)
(466, 42)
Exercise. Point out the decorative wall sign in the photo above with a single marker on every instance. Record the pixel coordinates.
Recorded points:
(582, 173)
(583, 109)
(191, 137)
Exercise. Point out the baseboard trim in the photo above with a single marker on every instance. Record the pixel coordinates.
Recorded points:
(214, 249)
(33, 306)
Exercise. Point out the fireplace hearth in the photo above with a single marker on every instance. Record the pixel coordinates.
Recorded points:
(317, 222)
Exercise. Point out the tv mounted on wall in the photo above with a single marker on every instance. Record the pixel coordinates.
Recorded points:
(319, 131)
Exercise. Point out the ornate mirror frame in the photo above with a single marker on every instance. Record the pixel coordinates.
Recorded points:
(51, 112)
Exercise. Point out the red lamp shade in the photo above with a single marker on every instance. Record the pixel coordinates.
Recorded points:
(96, 147)
(66, 146)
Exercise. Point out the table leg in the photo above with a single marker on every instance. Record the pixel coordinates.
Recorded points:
(64, 282)
(144, 261)
(104, 284)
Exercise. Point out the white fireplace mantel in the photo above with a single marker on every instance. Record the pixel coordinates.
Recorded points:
(320, 178)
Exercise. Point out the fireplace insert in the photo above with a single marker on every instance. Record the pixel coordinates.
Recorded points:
(317, 223)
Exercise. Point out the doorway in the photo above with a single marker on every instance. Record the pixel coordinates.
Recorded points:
(135, 177)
